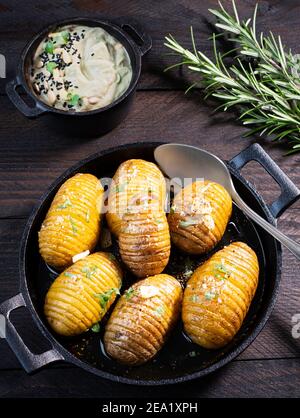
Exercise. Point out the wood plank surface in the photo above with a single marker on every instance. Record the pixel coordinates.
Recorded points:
(269, 378)
(34, 154)
(20, 22)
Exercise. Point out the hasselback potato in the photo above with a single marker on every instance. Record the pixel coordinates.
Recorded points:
(81, 295)
(144, 242)
(142, 319)
(199, 216)
(218, 295)
(72, 224)
(134, 181)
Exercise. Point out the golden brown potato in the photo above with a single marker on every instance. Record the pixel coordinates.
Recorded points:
(142, 319)
(199, 216)
(72, 224)
(135, 180)
(144, 242)
(82, 294)
(218, 295)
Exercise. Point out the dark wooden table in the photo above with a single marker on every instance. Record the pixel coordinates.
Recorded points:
(32, 157)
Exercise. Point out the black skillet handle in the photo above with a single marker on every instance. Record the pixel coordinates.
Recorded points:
(28, 111)
(142, 40)
(289, 192)
(29, 360)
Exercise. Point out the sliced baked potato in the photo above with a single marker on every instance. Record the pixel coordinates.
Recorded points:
(199, 215)
(72, 224)
(218, 295)
(142, 319)
(144, 242)
(135, 181)
(81, 295)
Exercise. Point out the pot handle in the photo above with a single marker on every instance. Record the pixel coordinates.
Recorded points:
(289, 192)
(28, 111)
(29, 360)
(142, 40)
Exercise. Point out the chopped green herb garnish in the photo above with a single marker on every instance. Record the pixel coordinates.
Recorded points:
(95, 327)
(220, 268)
(160, 310)
(186, 224)
(192, 353)
(111, 257)
(89, 271)
(158, 221)
(71, 275)
(49, 47)
(73, 99)
(129, 293)
(73, 225)
(209, 295)
(87, 216)
(172, 209)
(62, 38)
(50, 66)
(105, 297)
(120, 187)
(66, 204)
(65, 36)
(189, 268)
(194, 298)
(187, 273)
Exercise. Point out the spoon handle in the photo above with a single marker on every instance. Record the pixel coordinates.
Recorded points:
(290, 244)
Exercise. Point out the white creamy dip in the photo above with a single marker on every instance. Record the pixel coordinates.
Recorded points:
(80, 68)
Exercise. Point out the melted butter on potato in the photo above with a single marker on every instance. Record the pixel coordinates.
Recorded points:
(218, 295)
(139, 326)
(199, 216)
(148, 291)
(72, 224)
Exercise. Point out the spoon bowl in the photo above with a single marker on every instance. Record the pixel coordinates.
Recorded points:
(189, 163)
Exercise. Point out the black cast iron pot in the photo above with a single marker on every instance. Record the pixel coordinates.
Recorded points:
(179, 360)
(91, 123)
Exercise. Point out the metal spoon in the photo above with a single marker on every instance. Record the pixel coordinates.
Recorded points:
(185, 161)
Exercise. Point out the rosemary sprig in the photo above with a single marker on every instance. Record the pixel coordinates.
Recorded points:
(265, 88)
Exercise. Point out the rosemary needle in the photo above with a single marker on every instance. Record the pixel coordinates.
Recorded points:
(264, 87)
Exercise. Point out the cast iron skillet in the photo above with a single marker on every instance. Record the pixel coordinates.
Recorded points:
(94, 122)
(179, 360)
